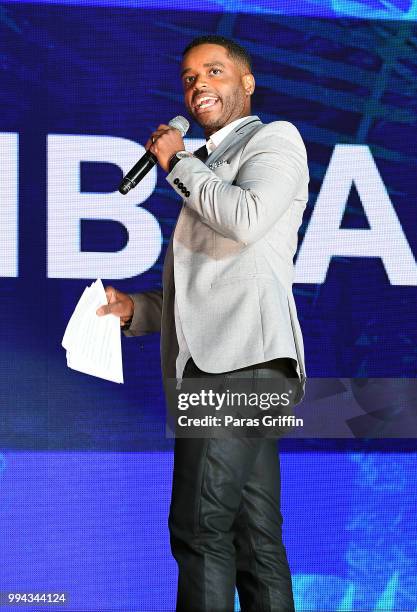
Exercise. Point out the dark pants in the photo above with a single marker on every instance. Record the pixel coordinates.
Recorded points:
(225, 520)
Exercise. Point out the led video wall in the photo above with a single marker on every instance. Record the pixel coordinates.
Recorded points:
(85, 469)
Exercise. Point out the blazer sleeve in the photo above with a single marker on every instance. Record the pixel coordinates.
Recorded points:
(147, 313)
(271, 167)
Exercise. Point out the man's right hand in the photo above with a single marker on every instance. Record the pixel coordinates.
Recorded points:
(119, 304)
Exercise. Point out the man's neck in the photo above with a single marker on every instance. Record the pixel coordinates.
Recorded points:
(210, 131)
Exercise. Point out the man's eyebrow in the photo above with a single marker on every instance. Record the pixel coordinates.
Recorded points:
(208, 65)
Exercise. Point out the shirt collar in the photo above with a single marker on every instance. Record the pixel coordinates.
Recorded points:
(216, 138)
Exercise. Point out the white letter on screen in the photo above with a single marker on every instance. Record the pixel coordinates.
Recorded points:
(67, 206)
(192, 144)
(9, 204)
(324, 238)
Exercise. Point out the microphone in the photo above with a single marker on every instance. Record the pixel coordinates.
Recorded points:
(147, 161)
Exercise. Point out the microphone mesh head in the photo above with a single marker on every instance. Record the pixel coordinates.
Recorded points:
(180, 123)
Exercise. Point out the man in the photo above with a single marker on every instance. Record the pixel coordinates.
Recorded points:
(227, 307)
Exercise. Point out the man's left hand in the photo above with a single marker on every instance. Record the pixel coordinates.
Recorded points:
(164, 142)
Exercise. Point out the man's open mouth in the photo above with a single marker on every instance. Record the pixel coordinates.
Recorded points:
(205, 102)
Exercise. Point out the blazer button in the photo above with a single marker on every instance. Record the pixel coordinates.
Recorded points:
(180, 185)
(184, 190)
(187, 193)
(176, 181)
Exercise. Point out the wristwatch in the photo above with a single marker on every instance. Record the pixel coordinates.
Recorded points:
(178, 156)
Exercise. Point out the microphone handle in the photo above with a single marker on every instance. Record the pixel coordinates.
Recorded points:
(136, 174)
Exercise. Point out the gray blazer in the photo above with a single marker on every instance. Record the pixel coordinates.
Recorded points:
(230, 257)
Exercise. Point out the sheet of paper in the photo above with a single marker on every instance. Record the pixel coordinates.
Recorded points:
(93, 343)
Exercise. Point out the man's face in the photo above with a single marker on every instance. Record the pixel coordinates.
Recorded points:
(216, 88)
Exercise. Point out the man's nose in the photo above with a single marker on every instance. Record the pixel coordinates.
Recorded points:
(200, 81)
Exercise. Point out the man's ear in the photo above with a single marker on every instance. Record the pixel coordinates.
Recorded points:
(248, 81)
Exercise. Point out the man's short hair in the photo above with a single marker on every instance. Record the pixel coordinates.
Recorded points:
(236, 51)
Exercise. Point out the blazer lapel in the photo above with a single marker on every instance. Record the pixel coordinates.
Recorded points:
(233, 138)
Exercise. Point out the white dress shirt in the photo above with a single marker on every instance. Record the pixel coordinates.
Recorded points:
(183, 352)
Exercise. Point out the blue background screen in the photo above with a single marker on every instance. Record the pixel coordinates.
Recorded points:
(85, 469)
